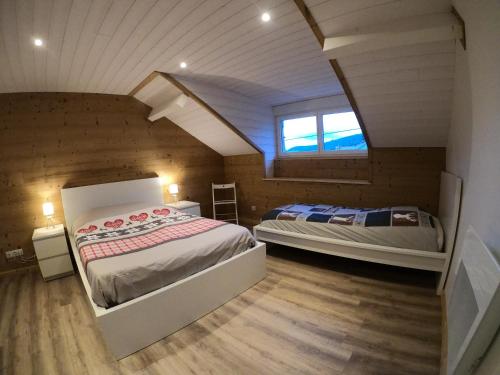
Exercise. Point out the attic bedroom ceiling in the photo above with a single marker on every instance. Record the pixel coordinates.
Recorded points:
(106, 46)
(103, 46)
(403, 93)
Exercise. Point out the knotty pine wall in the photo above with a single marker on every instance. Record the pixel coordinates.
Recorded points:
(406, 176)
(51, 140)
(348, 169)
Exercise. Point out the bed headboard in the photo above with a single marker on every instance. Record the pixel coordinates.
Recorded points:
(450, 196)
(81, 199)
(449, 207)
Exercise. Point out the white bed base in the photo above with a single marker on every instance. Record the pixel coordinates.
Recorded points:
(449, 209)
(135, 324)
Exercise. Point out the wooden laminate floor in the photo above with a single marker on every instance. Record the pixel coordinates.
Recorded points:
(313, 314)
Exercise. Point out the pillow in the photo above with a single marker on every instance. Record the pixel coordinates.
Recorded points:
(102, 212)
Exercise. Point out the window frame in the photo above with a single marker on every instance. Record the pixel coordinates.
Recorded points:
(321, 153)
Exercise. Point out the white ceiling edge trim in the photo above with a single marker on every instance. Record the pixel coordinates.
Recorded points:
(167, 108)
(170, 102)
(417, 30)
(338, 103)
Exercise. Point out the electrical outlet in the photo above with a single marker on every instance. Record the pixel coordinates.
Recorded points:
(13, 254)
(253, 208)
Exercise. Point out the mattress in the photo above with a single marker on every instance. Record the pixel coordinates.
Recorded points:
(128, 251)
(402, 227)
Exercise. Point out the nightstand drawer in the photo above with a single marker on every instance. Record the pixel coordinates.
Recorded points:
(50, 247)
(56, 266)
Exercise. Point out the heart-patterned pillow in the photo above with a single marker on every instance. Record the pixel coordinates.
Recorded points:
(114, 224)
(163, 211)
(91, 228)
(140, 217)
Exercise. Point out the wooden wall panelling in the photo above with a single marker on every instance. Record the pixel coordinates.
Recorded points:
(348, 169)
(399, 177)
(50, 140)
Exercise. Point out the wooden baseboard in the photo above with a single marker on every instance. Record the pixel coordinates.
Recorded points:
(444, 335)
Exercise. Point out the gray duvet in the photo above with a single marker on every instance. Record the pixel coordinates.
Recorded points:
(117, 279)
(418, 238)
(404, 227)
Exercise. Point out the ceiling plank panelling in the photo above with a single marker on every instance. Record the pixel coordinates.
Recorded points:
(121, 80)
(24, 11)
(58, 24)
(251, 118)
(76, 20)
(114, 17)
(182, 100)
(398, 90)
(255, 39)
(190, 17)
(408, 87)
(110, 46)
(10, 38)
(201, 25)
(137, 41)
(340, 16)
(135, 15)
(41, 27)
(401, 63)
(407, 51)
(88, 35)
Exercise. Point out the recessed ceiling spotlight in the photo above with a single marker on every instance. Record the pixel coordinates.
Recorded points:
(38, 42)
(266, 17)
(183, 65)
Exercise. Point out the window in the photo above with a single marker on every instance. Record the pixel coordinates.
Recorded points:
(341, 132)
(321, 134)
(300, 134)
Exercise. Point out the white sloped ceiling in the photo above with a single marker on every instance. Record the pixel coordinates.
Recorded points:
(404, 92)
(166, 100)
(106, 46)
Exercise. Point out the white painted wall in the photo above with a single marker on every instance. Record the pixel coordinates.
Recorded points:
(474, 137)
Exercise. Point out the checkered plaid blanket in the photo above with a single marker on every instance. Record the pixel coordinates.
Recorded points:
(136, 231)
(362, 217)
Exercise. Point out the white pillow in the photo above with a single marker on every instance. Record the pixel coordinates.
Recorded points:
(102, 212)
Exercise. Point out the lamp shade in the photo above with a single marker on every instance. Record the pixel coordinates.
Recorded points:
(48, 209)
(173, 188)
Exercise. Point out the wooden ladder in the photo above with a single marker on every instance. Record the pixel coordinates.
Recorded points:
(226, 216)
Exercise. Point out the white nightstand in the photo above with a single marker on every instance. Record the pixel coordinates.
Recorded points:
(188, 207)
(52, 252)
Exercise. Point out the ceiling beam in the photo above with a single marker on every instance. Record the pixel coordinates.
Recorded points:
(410, 31)
(335, 66)
(143, 83)
(167, 108)
(311, 21)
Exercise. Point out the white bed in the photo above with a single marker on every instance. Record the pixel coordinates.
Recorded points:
(135, 324)
(449, 208)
